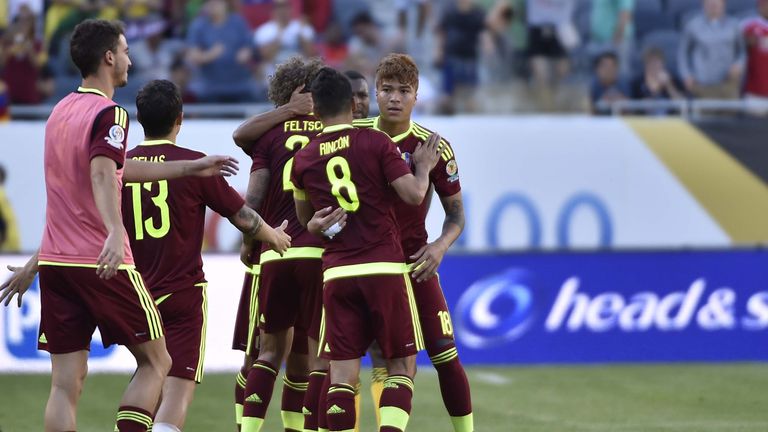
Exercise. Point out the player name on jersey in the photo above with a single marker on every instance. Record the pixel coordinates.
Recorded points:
(329, 147)
(302, 125)
(157, 159)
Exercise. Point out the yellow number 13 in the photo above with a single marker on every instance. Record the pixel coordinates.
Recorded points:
(160, 201)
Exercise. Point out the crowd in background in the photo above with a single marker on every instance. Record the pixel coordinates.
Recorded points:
(474, 55)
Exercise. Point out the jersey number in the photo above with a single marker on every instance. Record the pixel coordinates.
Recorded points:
(160, 201)
(342, 182)
(290, 144)
(445, 322)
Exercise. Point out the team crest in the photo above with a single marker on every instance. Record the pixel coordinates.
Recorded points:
(451, 168)
(407, 158)
(116, 137)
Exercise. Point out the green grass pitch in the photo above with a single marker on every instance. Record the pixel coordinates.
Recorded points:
(626, 398)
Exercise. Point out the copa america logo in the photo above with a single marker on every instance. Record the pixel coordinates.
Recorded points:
(495, 310)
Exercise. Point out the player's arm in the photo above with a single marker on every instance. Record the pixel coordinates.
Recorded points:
(252, 226)
(304, 210)
(258, 183)
(428, 258)
(413, 188)
(19, 281)
(104, 183)
(143, 171)
(246, 135)
(327, 222)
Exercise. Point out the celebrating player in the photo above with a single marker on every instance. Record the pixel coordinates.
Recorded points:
(87, 276)
(367, 291)
(165, 221)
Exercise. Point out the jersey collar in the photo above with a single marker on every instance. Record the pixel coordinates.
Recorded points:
(91, 90)
(394, 138)
(156, 142)
(336, 128)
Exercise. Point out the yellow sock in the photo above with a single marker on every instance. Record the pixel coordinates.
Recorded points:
(377, 387)
(357, 411)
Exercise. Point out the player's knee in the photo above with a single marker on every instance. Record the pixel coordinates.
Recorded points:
(402, 366)
(445, 355)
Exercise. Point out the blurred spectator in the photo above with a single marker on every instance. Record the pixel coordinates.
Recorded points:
(23, 59)
(551, 34)
(756, 35)
(369, 43)
(140, 17)
(319, 13)
(62, 16)
(422, 11)
(283, 37)
(9, 230)
(220, 47)
(5, 115)
(497, 42)
(459, 33)
(181, 75)
(333, 48)
(612, 28)
(656, 82)
(152, 56)
(15, 6)
(606, 87)
(711, 54)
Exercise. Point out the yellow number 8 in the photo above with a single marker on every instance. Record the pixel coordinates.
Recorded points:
(345, 181)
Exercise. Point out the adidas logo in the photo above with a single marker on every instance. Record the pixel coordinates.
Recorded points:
(253, 398)
(305, 411)
(336, 410)
(327, 348)
(261, 319)
(391, 385)
(43, 339)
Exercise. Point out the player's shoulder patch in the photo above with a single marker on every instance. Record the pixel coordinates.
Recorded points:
(452, 170)
(116, 136)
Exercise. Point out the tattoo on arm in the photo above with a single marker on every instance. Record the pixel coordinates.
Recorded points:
(257, 188)
(454, 214)
(249, 221)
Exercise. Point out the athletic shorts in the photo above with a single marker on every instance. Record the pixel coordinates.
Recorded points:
(360, 309)
(242, 319)
(75, 301)
(433, 315)
(184, 315)
(544, 41)
(290, 295)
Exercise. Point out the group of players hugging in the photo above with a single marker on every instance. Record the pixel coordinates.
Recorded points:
(334, 240)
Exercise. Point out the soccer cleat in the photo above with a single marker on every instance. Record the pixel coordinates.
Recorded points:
(253, 398)
(336, 410)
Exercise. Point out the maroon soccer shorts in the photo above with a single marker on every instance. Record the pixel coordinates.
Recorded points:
(184, 315)
(242, 319)
(290, 295)
(360, 309)
(433, 315)
(75, 301)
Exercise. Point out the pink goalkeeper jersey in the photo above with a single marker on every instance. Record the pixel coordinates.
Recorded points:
(83, 125)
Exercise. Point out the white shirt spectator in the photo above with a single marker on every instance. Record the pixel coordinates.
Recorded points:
(290, 37)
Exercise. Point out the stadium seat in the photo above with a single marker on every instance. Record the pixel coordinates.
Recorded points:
(648, 6)
(736, 7)
(676, 8)
(647, 21)
(686, 17)
(668, 41)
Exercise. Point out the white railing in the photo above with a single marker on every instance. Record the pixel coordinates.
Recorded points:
(694, 108)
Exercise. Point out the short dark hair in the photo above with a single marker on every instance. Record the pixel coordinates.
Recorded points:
(90, 40)
(159, 105)
(331, 93)
(295, 72)
(607, 55)
(362, 18)
(354, 75)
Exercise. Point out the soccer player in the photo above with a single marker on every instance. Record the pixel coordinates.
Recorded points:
(87, 276)
(165, 221)
(290, 286)
(367, 291)
(360, 93)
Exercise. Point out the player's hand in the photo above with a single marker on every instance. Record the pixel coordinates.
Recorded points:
(327, 221)
(213, 166)
(280, 241)
(17, 284)
(111, 256)
(300, 103)
(428, 259)
(246, 252)
(428, 153)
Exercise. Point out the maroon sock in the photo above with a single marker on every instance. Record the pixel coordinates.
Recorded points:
(454, 387)
(322, 403)
(395, 399)
(312, 398)
(133, 419)
(258, 390)
(294, 390)
(340, 407)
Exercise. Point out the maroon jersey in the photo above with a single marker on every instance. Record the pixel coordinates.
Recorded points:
(275, 151)
(165, 220)
(352, 168)
(444, 177)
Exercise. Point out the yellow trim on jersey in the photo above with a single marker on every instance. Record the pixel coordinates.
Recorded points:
(292, 253)
(82, 89)
(254, 269)
(299, 194)
(153, 317)
(336, 128)
(156, 142)
(253, 313)
(366, 269)
(162, 299)
(201, 358)
(397, 138)
(321, 337)
(82, 265)
(420, 132)
(417, 332)
(366, 122)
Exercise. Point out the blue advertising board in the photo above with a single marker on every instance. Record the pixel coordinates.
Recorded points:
(609, 306)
